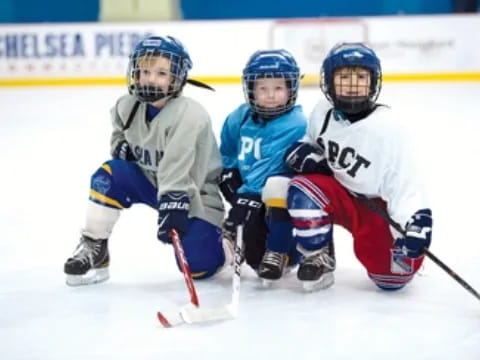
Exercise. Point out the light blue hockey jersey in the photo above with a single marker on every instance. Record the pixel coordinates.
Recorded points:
(256, 148)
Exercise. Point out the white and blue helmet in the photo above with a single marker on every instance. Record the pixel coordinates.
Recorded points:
(153, 46)
(351, 55)
(271, 64)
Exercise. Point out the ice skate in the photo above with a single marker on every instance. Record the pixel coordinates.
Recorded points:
(89, 263)
(273, 266)
(316, 268)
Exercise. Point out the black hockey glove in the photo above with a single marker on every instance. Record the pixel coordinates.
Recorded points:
(230, 182)
(303, 158)
(123, 152)
(418, 233)
(172, 214)
(245, 210)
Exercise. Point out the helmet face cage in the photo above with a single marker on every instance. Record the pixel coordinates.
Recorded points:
(271, 64)
(351, 55)
(146, 53)
(291, 82)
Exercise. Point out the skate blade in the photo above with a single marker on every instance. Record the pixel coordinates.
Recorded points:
(92, 276)
(267, 283)
(325, 281)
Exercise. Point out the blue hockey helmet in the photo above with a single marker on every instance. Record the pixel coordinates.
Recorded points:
(155, 46)
(271, 64)
(351, 55)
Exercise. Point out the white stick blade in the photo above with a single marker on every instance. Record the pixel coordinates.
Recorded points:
(198, 315)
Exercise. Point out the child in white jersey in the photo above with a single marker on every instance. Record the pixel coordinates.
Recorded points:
(357, 158)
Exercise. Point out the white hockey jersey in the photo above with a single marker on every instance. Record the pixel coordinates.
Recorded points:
(372, 156)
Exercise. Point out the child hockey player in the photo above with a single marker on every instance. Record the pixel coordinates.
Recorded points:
(366, 151)
(165, 156)
(253, 142)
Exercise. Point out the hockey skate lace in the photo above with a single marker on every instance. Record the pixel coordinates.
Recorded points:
(322, 258)
(86, 251)
(274, 258)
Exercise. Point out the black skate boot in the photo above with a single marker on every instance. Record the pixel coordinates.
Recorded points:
(272, 265)
(89, 263)
(316, 268)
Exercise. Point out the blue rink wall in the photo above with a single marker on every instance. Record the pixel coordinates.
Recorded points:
(226, 9)
(31, 11)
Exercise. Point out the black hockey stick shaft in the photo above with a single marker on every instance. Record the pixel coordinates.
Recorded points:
(371, 204)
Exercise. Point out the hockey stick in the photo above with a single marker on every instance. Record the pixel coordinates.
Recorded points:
(187, 275)
(193, 314)
(374, 207)
(237, 263)
(230, 310)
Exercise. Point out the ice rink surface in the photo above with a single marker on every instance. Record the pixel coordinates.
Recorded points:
(53, 139)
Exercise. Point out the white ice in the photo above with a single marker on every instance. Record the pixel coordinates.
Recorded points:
(52, 139)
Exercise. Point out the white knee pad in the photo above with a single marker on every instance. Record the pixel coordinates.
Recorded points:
(100, 221)
(275, 191)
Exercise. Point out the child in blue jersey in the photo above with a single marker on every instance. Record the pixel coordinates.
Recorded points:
(255, 178)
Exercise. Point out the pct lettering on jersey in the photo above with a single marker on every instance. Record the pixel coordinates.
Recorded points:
(343, 158)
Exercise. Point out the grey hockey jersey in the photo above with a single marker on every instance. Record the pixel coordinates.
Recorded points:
(176, 150)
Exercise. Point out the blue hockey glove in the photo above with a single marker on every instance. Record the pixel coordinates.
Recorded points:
(230, 182)
(418, 233)
(303, 158)
(123, 152)
(172, 214)
(245, 210)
